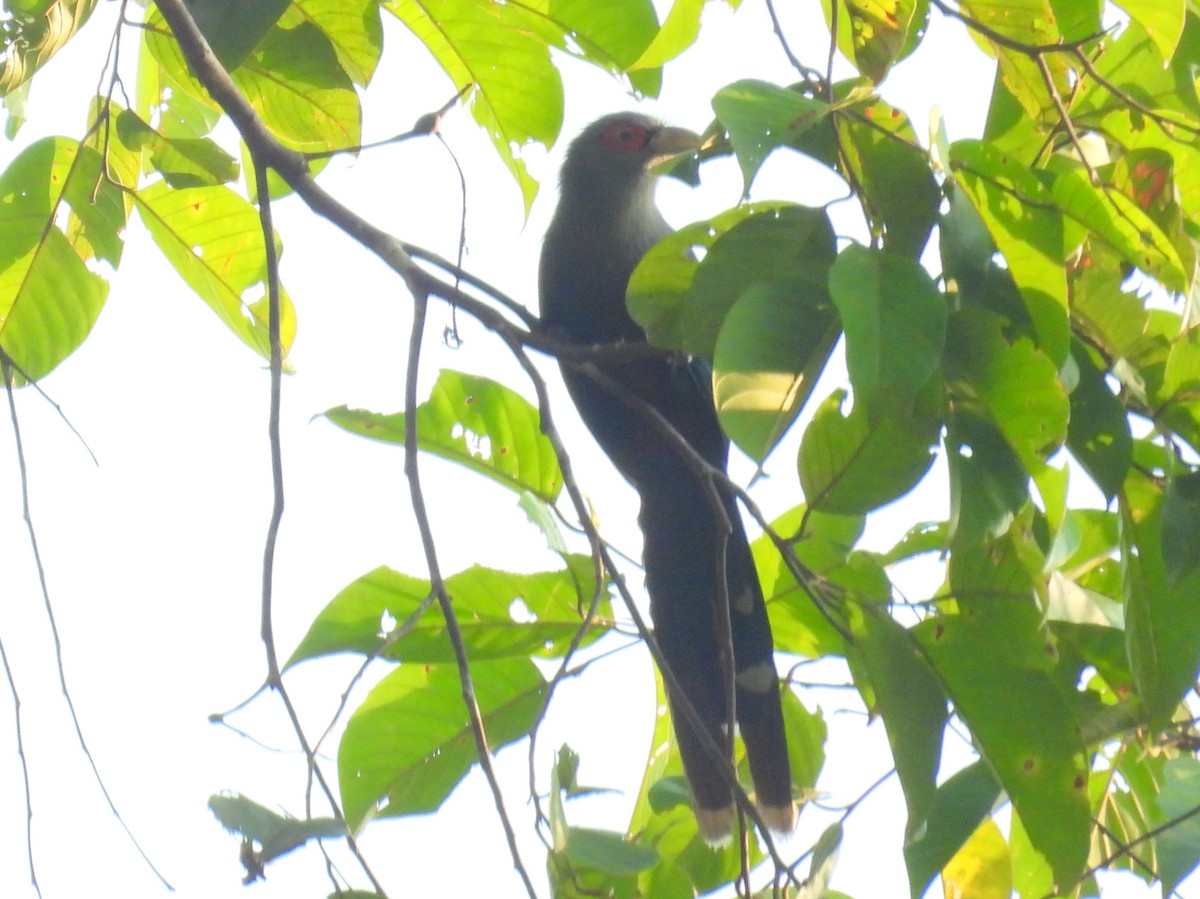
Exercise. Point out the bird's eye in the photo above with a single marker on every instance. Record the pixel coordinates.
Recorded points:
(625, 136)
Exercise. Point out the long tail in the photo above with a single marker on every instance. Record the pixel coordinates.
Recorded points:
(682, 562)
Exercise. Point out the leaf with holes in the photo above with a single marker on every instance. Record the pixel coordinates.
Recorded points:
(518, 94)
(49, 296)
(500, 614)
(761, 117)
(995, 663)
(477, 423)
(850, 465)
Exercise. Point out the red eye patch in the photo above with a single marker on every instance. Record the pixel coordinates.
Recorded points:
(625, 136)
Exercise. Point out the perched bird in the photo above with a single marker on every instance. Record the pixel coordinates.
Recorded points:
(605, 222)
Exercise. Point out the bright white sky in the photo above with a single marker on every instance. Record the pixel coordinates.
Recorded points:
(153, 558)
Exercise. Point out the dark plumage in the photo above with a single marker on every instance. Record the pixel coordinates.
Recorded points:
(606, 220)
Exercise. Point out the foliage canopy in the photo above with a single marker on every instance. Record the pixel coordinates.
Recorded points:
(1025, 308)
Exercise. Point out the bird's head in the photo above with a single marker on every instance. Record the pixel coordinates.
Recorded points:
(615, 153)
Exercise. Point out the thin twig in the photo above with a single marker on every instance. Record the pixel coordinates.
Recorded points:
(1009, 43)
(438, 584)
(18, 730)
(27, 514)
(274, 677)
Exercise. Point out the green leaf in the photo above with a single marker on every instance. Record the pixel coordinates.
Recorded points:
(213, 238)
(500, 614)
(996, 664)
(518, 95)
(682, 302)
(30, 40)
(760, 117)
(602, 850)
(910, 700)
(293, 78)
(875, 34)
(806, 736)
(895, 324)
(354, 30)
(959, 806)
(881, 156)
(1027, 22)
(183, 162)
(295, 82)
(824, 859)
(622, 36)
(1014, 383)
(1162, 589)
(233, 28)
(982, 868)
(770, 351)
(1178, 847)
(276, 834)
(988, 485)
(1181, 527)
(1098, 430)
(1019, 213)
(1117, 220)
(678, 32)
(1162, 19)
(49, 297)
(410, 741)
(850, 465)
(477, 423)
(797, 623)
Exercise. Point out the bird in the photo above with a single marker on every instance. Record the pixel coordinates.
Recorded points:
(605, 221)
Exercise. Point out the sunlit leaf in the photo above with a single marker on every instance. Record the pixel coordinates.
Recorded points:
(678, 32)
(1018, 212)
(982, 868)
(1162, 19)
(1116, 219)
(410, 741)
(49, 297)
(475, 422)
(500, 615)
(31, 39)
(353, 28)
(1024, 22)
(874, 34)
(518, 95)
(214, 240)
